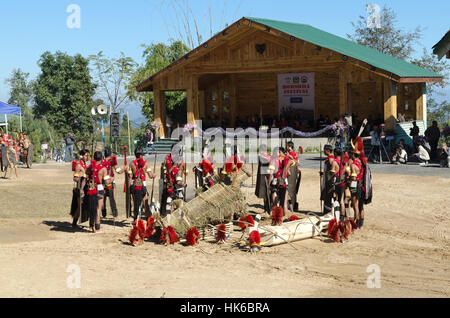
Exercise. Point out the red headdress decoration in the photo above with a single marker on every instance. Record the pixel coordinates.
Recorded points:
(221, 233)
(293, 218)
(358, 145)
(74, 164)
(255, 239)
(345, 159)
(192, 237)
(277, 215)
(113, 161)
(207, 166)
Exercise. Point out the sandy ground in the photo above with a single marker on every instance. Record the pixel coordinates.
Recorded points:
(407, 234)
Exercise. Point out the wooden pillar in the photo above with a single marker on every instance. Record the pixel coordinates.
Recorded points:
(233, 99)
(390, 103)
(192, 99)
(343, 90)
(159, 109)
(193, 111)
(421, 96)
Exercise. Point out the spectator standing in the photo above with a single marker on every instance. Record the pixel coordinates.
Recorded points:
(149, 139)
(433, 134)
(414, 131)
(69, 140)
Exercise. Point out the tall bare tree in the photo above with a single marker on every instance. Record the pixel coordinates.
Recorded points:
(112, 75)
(185, 24)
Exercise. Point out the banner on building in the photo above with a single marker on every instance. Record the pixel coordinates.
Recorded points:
(296, 95)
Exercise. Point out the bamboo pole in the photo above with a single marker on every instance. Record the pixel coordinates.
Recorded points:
(129, 137)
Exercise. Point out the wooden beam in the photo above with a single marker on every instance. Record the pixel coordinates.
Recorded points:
(261, 67)
(420, 79)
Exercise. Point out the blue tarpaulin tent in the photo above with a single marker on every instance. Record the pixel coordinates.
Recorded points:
(6, 109)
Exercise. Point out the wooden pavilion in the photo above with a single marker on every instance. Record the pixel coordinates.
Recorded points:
(237, 73)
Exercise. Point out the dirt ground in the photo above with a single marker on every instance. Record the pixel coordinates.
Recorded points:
(406, 234)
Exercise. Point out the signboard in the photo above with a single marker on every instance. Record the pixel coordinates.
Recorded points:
(296, 95)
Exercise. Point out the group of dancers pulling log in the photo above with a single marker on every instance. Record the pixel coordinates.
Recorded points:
(345, 182)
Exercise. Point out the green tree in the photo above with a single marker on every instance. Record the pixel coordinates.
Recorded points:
(156, 57)
(391, 39)
(38, 131)
(21, 90)
(63, 94)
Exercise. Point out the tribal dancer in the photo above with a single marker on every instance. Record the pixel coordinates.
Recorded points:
(111, 165)
(339, 182)
(171, 174)
(361, 184)
(233, 164)
(97, 175)
(357, 172)
(79, 177)
(294, 174)
(327, 185)
(205, 173)
(278, 179)
(139, 169)
(262, 189)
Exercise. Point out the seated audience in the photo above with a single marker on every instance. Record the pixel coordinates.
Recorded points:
(400, 155)
(445, 156)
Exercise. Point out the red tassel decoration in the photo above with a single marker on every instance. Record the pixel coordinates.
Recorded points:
(168, 236)
(293, 218)
(241, 223)
(150, 230)
(246, 221)
(164, 239)
(172, 235)
(113, 161)
(221, 234)
(343, 230)
(74, 164)
(353, 224)
(133, 237)
(333, 231)
(192, 237)
(254, 239)
(141, 228)
(277, 215)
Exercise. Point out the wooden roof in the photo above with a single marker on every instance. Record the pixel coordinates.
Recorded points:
(365, 57)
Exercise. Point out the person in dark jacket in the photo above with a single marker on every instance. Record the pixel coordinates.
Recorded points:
(69, 140)
(433, 134)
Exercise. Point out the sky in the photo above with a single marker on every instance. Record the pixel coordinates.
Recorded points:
(29, 28)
